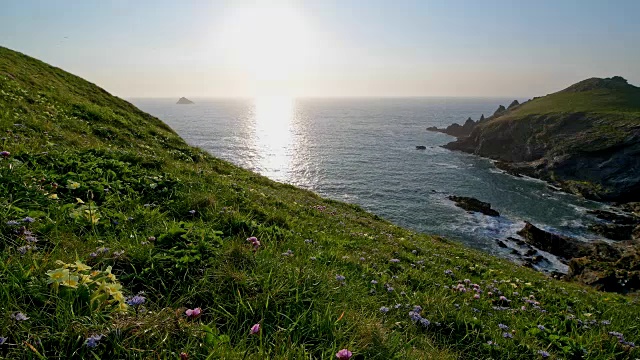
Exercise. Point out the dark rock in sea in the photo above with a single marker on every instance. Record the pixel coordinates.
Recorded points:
(501, 244)
(531, 252)
(184, 101)
(456, 130)
(515, 252)
(513, 104)
(613, 231)
(481, 118)
(472, 204)
(562, 246)
(517, 241)
(614, 217)
(421, 147)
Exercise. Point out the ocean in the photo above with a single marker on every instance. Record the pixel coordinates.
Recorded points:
(363, 151)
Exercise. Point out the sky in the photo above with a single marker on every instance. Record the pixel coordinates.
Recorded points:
(329, 48)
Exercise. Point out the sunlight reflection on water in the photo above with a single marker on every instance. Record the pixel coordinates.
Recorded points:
(273, 134)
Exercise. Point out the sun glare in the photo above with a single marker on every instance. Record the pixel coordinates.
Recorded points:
(271, 43)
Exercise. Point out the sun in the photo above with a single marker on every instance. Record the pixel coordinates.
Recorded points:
(270, 42)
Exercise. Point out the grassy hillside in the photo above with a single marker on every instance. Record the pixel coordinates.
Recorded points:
(88, 180)
(595, 95)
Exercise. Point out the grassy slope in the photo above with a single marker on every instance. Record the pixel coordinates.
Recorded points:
(139, 179)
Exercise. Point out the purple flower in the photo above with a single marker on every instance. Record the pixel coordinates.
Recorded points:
(448, 272)
(344, 354)
(373, 282)
(397, 306)
(390, 288)
(193, 313)
(93, 254)
(308, 241)
(136, 300)
(417, 308)
(28, 219)
(507, 335)
(605, 322)
(414, 316)
(541, 327)
(118, 253)
(503, 326)
(362, 259)
(255, 329)
(340, 278)
(13, 223)
(384, 309)
(3, 340)
(287, 253)
(5, 154)
(151, 238)
(543, 353)
(18, 316)
(424, 322)
(192, 212)
(23, 249)
(93, 340)
(394, 261)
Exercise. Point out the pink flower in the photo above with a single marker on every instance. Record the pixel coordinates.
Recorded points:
(184, 356)
(193, 313)
(255, 329)
(476, 296)
(344, 354)
(5, 154)
(254, 242)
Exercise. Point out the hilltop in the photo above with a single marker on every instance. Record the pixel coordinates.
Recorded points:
(585, 139)
(187, 253)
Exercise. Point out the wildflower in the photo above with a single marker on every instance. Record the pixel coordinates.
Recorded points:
(448, 272)
(503, 326)
(313, 258)
(12, 223)
(390, 288)
(523, 308)
(192, 212)
(414, 316)
(255, 329)
(23, 249)
(414, 251)
(73, 185)
(57, 275)
(424, 322)
(92, 341)
(466, 281)
(417, 308)
(118, 253)
(102, 250)
(184, 356)
(340, 278)
(82, 267)
(397, 306)
(362, 259)
(476, 296)
(543, 353)
(344, 354)
(93, 254)
(151, 238)
(53, 196)
(71, 281)
(28, 219)
(541, 327)
(394, 261)
(605, 322)
(308, 241)
(18, 316)
(373, 282)
(507, 335)
(384, 309)
(254, 242)
(3, 340)
(287, 253)
(193, 313)
(5, 154)
(136, 300)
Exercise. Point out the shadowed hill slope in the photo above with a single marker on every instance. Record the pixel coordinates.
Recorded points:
(88, 180)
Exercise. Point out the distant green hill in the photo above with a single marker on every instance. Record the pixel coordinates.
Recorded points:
(586, 138)
(87, 179)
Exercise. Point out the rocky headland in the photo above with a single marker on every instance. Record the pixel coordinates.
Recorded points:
(583, 140)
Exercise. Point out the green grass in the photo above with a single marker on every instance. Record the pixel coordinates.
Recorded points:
(121, 176)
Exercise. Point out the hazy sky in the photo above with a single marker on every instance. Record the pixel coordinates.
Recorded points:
(158, 48)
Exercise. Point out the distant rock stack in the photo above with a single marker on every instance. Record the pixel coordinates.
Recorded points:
(184, 101)
(513, 104)
(501, 110)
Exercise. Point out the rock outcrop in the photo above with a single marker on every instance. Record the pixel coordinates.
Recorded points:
(184, 101)
(473, 204)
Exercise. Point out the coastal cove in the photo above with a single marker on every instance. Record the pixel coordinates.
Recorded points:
(363, 151)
